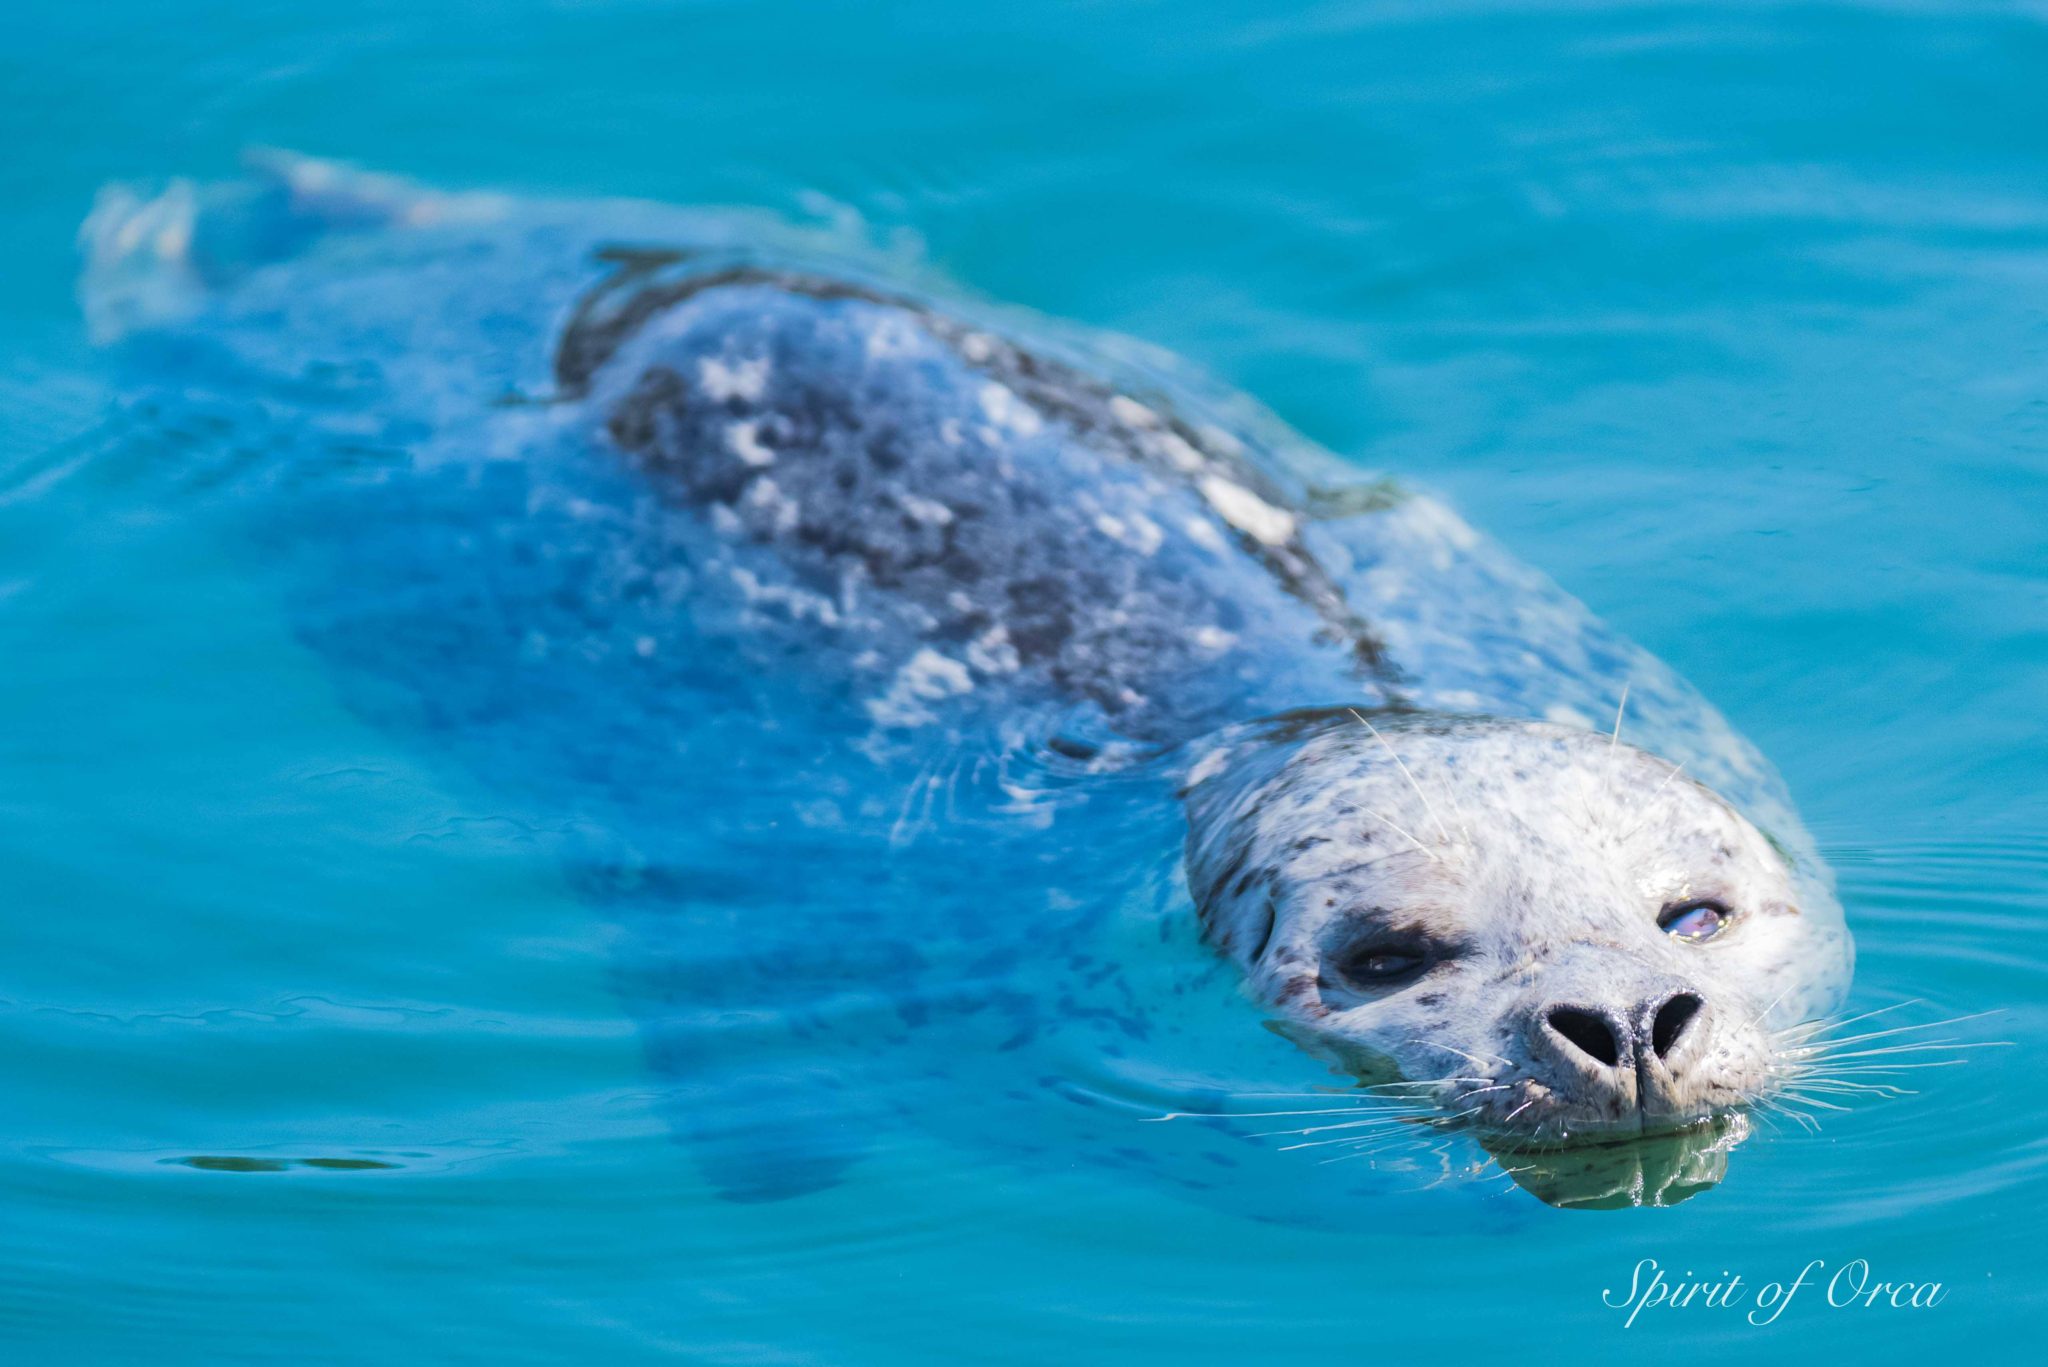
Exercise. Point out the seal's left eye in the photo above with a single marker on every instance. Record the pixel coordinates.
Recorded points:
(1694, 920)
(1381, 965)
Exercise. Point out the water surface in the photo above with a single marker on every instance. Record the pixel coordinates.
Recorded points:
(1728, 318)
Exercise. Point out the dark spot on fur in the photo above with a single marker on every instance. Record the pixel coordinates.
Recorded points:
(1305, 991)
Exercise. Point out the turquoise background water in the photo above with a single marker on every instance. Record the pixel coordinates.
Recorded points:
(1731, 318)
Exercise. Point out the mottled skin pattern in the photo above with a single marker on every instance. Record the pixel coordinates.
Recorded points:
(925, 482)
(547, 483)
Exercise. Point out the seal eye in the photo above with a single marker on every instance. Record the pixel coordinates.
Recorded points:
(1380, 965)
(1694, 921)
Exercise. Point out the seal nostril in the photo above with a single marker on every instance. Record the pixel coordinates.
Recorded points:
(1672, 1018)
(1591, 1034)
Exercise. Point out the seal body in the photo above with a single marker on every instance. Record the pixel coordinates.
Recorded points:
(921, 573)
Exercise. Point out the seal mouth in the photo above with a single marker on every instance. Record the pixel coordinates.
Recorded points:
(1568, 1131)
(1530, 1113)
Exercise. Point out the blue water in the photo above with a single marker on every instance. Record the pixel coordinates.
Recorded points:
(329, 1039)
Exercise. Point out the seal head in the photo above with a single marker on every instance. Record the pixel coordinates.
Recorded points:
(1565, 934)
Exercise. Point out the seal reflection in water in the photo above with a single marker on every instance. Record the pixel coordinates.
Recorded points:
(1554, 936)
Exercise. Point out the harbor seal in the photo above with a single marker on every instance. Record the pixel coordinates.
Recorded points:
(1551, 932)
(583, 514)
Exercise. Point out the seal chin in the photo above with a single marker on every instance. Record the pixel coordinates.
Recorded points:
(1531, 1113)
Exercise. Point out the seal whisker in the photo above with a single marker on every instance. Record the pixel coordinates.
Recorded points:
(1424, 1121)
(1248, 1115)
(1875, 1070)
(1442, 830)
(1380, 1144)
(1924, 1047)
(1809, 1028)
(1606, 776)
(1422, 848)
(1817, 1061)
(1346, 1093)
(1805, 1100)
(1852, 1049)
(1758, 1019)
(1353, 1141)
(1383, 1103)
(1432, 1044)
(1804, 1121)
(1393, 1126)
(1614, 741)
(1378, 1122)
(1330, 1092)
(1507, 1173)
(1372, 1096)
(1650, 802)
(1897, 1030)
(1844, 1087)
(1912, 1047)
(1360, 1091)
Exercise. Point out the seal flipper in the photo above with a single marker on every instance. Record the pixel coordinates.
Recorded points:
(769, 1021)
(155, 253)
(764, 1137)
(769, 1106)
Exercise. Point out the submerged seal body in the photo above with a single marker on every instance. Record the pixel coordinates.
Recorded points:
(1562, 934)
(1407, 819)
